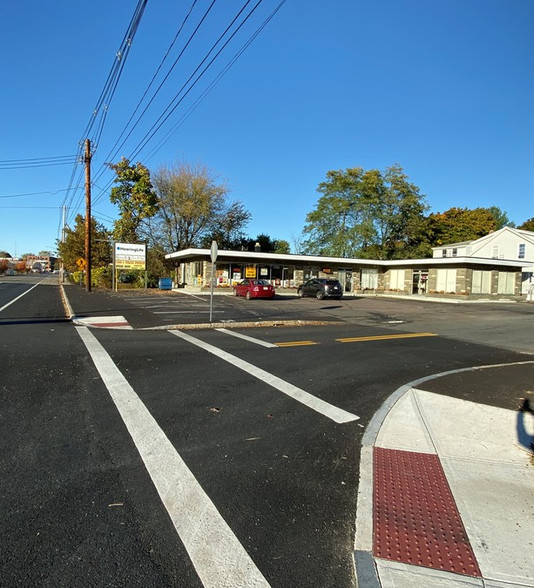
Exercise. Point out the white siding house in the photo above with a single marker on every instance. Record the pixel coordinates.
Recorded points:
(506, 243)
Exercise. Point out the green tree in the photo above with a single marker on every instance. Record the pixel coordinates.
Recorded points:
(528, 225)
(73, 246)
(282, 246)
(366, 214)
(501, 218)
(193, 208)
(136, 198)
(459, 224)
(266, 244)
(228, 232)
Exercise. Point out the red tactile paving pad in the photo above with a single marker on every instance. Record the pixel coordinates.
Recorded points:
(416, 520)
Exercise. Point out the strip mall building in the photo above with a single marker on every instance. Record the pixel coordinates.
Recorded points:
(459, 277)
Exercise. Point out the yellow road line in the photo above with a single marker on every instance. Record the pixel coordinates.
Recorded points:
(295, 343)
(383, 337)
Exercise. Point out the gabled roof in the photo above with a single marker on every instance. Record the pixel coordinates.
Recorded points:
(481, 241)
(525, 235)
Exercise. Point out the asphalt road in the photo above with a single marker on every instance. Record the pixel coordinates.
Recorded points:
(201, 458)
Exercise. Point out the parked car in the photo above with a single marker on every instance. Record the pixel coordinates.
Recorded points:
(254, 289)
(321, 288)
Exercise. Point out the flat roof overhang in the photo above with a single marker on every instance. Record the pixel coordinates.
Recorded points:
(194, 254)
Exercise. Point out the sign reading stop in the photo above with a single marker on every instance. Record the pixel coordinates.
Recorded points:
(214, 251)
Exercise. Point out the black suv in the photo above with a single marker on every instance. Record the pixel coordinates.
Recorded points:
(321, 288)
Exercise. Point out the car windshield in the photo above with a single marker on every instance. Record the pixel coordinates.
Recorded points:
(262, 282)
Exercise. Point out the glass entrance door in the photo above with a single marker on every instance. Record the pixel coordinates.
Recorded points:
(419, 281)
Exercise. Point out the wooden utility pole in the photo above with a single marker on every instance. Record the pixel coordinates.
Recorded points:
(87, 161)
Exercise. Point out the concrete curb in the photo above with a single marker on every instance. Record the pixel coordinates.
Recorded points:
(236, 325)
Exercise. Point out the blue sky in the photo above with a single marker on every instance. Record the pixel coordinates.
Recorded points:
(442, 87)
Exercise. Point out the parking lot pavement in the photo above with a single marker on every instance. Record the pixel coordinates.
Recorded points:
(152, 309)
(499, 325)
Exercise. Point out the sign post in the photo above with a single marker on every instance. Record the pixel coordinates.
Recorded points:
(213, 253)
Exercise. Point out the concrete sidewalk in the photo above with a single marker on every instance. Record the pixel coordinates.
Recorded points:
(446, 495)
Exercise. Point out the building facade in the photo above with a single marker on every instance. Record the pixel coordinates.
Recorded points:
(506, 243)
(460, 277)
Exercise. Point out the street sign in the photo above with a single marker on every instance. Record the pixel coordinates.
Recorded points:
(214, 251)
(81, 263)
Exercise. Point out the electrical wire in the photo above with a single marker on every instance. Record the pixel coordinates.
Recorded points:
(102, 106)
(210, 87)
(219, 76)
(33, 194)
(37, 162)
(114, 75)
(170, 108)
(112, 153)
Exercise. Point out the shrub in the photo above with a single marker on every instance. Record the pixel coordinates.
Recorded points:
(101, 277)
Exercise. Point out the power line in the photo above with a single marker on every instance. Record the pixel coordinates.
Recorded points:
(189, 111)
(214, 82)
(114, 75)
(37, 162)
(115, 149)
(102, 106)
(112, 153)
(170, 109)
(33, 193)
(25, 207)
(186, 88)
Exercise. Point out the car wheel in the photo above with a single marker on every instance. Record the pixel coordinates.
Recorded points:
(319, 294)
(247, 295)
(300, 293)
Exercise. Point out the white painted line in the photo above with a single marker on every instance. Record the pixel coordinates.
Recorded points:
(192, 311)
(332, 412)
(17, 298)
(196, 296)
(219, 559)
(246, 337)
(115, 322)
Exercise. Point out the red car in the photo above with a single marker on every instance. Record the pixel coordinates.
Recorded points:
(254, 289)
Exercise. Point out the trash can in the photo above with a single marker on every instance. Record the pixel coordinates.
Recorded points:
(165, 283)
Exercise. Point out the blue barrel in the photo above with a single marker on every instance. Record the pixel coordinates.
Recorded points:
(165, 283)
